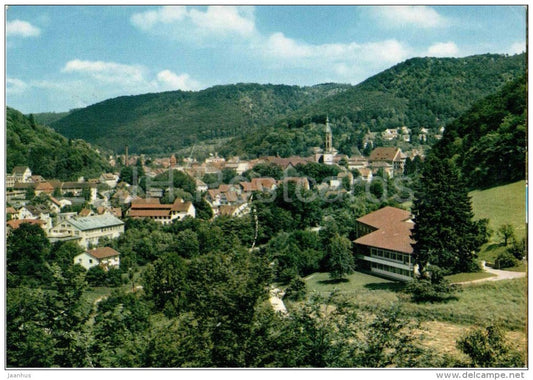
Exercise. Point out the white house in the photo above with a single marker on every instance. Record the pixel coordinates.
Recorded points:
(109, 179)
(106, 257)
(22, 174)
(89, 229)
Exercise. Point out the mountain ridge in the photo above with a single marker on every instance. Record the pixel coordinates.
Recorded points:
(419, 92)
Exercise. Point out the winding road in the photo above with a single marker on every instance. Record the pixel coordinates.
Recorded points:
(498, 275)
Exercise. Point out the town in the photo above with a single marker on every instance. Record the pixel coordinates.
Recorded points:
(103, 202)
(266, 187)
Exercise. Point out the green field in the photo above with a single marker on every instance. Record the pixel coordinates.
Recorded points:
(483, 303)
(502, 205)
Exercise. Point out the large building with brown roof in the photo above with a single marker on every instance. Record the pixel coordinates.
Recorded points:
(384, 245)
(162, 213)
(384, 157)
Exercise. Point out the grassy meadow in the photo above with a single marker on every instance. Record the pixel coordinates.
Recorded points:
(501, 205)
(480, 304)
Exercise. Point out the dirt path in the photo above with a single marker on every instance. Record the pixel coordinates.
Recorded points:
(498, 275)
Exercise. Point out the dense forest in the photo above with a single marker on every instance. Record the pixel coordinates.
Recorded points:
(47, 118)
(420, 92)
(46, 152)
(488, 143)
(165, 122)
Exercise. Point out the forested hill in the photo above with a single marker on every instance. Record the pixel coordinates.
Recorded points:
(46, 152)
(166, 122)
(488, 142)
(418, 93)
(421, 92)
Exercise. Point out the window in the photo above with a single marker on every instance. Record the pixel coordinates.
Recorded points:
(90, 261)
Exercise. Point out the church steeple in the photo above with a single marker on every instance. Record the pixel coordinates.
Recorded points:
(328, 146)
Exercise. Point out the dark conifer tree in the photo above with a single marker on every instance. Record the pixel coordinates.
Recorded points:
(444, 232)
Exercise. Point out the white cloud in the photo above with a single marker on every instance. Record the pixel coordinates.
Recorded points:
(168, 80)
(517, 48)
(109, 72)
(164, 15)
(15, 86)
(348, 60)
(443, 49)
(224, 19)
(130, 78)
(21, 28)
(194, 25)
(414, 15)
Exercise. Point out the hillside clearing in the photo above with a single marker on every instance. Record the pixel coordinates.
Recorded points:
(502, 205)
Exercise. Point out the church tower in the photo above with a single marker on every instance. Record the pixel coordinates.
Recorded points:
(328, 145)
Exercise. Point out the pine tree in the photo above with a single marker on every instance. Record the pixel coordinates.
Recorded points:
(444, 232)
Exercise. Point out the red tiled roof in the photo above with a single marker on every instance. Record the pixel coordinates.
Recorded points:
(14, 224)
(395, 237)
(213, 193)
(103, 252)
(385, 217)
(232, 196)
(44, 186)
(393, 230)
(85, 212)
(384, 154)
(227, 209)
(263, 182)
(248, 186)
(181, 206)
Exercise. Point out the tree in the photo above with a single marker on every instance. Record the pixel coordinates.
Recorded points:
(228, 175)
(296, 290)
(444, 233)
(27, 251)
(187, 244)
(433, 289)
(203, 209)
(506, 232)
(30, 193)
(120, 323)
(517, 248)
(164, 283)
(340, 257)
(127, 175)
(487, 348)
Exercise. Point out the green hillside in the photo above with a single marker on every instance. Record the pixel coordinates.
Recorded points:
(46, 152)
(47, 118)
(488, 142)
(502, 205)
(420, 92)
(166, 122)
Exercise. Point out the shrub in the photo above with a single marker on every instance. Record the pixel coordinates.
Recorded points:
(296, 290)
(434, 288)
(517, 248)
(486, 347)
(505, 260)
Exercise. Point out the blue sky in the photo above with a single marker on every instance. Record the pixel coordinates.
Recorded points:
(64, 57)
